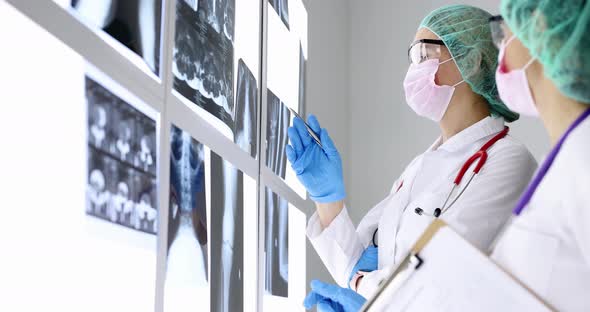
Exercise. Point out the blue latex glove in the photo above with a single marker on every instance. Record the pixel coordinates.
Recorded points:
(367, 262)
(318, 169)
(332, 298)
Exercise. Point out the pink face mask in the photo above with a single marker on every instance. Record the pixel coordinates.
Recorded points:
(513, 86)
(423, 95)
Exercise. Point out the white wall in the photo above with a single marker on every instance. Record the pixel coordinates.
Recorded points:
(327, 85)
(385, 134)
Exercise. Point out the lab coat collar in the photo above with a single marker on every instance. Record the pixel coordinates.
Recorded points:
(470, 135)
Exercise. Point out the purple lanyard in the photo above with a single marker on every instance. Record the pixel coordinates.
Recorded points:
(528, 194)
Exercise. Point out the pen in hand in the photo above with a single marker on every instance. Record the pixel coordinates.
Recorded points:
(312, 133)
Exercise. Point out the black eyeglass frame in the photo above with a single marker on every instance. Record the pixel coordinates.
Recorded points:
(498, 35)
(495, 18)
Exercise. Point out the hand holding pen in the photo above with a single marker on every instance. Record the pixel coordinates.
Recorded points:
(315, 160)
(312, 133)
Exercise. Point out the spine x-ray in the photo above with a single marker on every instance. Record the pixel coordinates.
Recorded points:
(121, 161)
(227, 215)
(277, 123)
(187, 264)
(245, 114)
(282, 9)
(276, 246)
(134, 23)
(203, 55)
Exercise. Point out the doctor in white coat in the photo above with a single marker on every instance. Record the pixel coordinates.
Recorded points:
(450, 81)
(545, 72)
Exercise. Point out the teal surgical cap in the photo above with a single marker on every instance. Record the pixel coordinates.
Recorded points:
(556, 34)
(465, 30)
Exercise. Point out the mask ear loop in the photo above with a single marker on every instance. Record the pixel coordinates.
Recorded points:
(506, 45)
(450, 59)
(507, 42)
(529, 63)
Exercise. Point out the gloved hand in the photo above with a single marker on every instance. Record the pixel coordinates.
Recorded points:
(366, 263)
(318, 169)
(332, 298)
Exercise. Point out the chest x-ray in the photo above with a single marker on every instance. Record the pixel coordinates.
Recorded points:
(134, 23)
(245, 112)
(186, 285)
(121, 169)
(227, 255)
(203, 55)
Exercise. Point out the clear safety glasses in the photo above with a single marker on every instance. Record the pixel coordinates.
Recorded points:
(498, 29)
(424, 50)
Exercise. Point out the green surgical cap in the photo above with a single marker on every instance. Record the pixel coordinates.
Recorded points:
(556, 34)
(465, 30)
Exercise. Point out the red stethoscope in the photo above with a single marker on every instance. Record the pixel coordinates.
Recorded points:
(481, 156)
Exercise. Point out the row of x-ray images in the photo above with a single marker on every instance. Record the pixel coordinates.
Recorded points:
(203, 55)
(122, 191)
(205, 250)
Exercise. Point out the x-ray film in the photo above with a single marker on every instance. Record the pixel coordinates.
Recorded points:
(121, 185)
(245, 129)
(227, 236)
(134, 23)
(277, 122)
(276, 245)
(203, 55)
(286, 84)
(302, 75)
(282, 9)
(187, 283)
(284, 247)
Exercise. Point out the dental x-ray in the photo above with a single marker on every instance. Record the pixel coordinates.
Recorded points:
(134, 23)
(121, 161)
(245, 114)
(187, 262)
(277, 123)
(282, 9)
(227, 255)
(203, 55)
(276, 246)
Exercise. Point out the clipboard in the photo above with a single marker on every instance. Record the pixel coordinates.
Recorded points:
(444, 272)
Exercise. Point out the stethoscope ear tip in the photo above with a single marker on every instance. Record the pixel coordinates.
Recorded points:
(437, 212)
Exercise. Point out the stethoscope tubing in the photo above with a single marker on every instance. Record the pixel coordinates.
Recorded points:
(481, 156)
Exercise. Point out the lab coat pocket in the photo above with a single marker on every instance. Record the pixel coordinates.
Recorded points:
(529, 256)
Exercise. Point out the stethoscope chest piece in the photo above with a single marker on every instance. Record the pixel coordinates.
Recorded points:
(419, 211)
(479, 159)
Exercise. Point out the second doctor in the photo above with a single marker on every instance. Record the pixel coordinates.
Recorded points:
(450, 81)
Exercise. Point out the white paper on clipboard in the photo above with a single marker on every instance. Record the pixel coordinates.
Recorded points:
(456, 276)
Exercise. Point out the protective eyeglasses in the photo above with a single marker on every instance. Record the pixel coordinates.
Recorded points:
(424, 50)
(498, 28)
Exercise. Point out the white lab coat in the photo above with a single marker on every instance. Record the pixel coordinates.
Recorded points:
(425, 183)
(548, 246)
